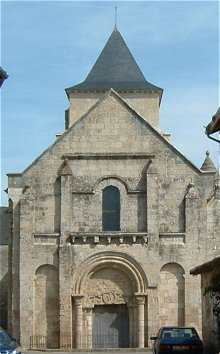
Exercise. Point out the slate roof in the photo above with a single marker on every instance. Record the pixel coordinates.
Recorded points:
(115, 68)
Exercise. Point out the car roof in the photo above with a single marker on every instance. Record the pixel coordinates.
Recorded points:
(176, 327)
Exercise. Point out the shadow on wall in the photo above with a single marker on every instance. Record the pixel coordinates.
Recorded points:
(4, 301)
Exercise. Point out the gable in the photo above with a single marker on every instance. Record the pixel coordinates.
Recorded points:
(111, 126)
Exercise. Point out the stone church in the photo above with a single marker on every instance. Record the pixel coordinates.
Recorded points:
(106, 224)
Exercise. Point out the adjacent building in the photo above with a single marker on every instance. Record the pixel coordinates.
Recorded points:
(210, 285)
(210, 274)
(107, 222)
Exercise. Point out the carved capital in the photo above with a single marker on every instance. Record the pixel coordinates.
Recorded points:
(78, 300)
(140, 299)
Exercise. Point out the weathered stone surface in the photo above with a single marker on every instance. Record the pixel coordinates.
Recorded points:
(62, 262)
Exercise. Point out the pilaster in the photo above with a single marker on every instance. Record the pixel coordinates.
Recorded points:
(65, 256)
(152, 205)
(192, 214)
(153, 313)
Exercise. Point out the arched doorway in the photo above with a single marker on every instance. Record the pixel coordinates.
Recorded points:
(109, 309)
(109, 294)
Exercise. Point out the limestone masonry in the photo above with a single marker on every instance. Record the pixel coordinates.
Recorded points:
(106, 224)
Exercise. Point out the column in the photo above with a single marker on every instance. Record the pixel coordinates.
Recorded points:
(79, 318)
(140, 300)
(89, 327)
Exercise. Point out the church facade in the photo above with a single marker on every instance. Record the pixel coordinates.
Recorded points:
(106, 224)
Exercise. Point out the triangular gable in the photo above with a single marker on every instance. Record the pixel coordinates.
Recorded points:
(113, 93)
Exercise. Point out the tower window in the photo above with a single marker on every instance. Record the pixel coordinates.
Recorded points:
(111, 209)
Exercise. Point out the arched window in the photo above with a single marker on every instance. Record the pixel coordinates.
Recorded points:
(111, 209)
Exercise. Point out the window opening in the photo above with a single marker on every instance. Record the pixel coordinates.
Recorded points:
(111, 209)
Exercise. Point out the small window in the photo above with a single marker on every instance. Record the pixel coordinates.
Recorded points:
(111, 209)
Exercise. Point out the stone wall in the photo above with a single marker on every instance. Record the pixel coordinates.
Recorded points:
(146, 104)
(58, 222)
(4, 237)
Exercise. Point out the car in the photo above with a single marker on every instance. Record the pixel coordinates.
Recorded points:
(8, 344)
(177, 340)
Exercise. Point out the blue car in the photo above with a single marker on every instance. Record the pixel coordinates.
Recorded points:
(176, 340)
(8, 344)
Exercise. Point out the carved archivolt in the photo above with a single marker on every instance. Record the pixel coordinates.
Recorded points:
(84, 278)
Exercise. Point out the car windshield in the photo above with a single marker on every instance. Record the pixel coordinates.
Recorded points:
(6, 341)
(179, 333)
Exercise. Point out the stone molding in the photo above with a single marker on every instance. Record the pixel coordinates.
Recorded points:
(172, 237)
(108, 156)
(46, 238)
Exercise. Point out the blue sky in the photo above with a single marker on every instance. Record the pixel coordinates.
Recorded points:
(50, 45)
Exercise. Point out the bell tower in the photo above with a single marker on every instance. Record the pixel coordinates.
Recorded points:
(115, 68)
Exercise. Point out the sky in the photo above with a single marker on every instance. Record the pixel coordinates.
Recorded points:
(47, 46)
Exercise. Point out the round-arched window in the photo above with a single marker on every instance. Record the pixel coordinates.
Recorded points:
(111, 209)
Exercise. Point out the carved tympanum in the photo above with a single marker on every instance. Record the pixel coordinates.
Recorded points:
(107, 286)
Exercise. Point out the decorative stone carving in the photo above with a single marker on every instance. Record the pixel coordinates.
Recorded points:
(107, 286)
(104, 238)
(106, 298)
(192, 192)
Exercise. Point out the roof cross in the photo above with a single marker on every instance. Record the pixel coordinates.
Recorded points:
(116, 17)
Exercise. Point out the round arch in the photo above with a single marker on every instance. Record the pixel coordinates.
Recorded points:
(117, 260)
(45, 267)
(110, 180)
(172, 264)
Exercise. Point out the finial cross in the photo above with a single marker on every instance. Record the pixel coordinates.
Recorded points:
(116, 17)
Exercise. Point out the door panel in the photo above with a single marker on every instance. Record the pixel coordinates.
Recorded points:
(110, 326)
